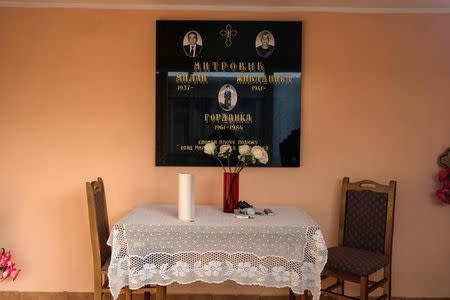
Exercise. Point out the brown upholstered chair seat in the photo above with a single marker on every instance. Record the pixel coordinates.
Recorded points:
(355, 261)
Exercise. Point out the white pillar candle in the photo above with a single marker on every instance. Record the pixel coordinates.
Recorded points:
(186, 197)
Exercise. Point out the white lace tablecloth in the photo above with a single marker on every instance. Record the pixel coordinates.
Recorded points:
(152, 246)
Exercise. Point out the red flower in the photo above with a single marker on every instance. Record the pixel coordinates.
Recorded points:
(446, 184)
(444, 174)
(444, 195)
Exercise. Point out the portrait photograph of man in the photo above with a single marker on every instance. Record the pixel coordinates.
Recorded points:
(227, 97)
(265, 43)
(192, 43)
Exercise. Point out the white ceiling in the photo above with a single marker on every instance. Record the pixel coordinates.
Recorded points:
(370, 6)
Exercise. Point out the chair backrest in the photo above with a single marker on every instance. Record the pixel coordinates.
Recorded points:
(98, 221)
(367, 215)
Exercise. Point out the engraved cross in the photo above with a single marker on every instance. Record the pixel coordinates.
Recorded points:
(228, 33)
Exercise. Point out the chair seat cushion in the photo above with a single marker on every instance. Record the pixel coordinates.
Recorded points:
(355, 261)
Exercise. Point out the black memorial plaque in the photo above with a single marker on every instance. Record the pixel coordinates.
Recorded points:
(231, 82)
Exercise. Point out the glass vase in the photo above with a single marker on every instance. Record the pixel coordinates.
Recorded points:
(230, 192)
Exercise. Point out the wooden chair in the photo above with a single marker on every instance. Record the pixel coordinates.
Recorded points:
(99, 225)
(365, 238)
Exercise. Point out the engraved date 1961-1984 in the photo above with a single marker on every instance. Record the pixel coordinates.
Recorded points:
(235, 127)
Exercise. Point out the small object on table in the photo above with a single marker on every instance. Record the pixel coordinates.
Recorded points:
(268, 212)
(244, 204)
(237, 211)
(250, 211)
(240, 216)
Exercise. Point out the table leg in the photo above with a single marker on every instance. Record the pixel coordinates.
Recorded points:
(127, 293)
(305, 295)
(161, 292)
(291, 295)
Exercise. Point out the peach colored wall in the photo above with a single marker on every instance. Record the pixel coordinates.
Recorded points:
(77, 101)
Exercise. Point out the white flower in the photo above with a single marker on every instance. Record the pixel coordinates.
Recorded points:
(265, 159)
(245, 269)
(244, 150)
(180, 269)
(257, 152)
(260, 154)
(147, 271)
(280, 273)
(213, 268)
(224, 149)
(209, 148)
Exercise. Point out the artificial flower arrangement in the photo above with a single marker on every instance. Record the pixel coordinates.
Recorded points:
(247, 155)
(444, 177)
(444, 192)
(7, 267)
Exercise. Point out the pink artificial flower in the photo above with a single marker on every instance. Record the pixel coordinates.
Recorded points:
(11, 271)
(6, 274)
(7, 267)
(443, 174)
(15, 273)
(10, 264)
(444, 195)
(4, 259)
